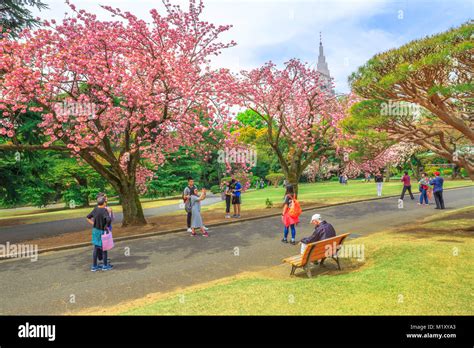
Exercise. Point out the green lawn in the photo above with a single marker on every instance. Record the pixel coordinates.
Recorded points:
(38, 215)
(317, 193)
(326, 192)
(423, 269)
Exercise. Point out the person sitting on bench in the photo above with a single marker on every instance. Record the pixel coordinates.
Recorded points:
(322, 230)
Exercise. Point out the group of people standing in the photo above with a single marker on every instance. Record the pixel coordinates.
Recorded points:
(231, 192)
(427, 188)
(192, 197)
(101, 216)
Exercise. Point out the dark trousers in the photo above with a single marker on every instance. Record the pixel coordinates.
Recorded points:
(95, 255)
(405, 189)
(439, 199)
(188, 220)
(227, 203)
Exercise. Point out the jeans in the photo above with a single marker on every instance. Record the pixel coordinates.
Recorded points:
(95, 255)
(227, 203)
(424, 196)
(379, 188)
(188, 220)
(439, 199)
(293, 232)
(407, 188)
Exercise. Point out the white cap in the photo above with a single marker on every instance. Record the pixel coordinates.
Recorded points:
(316, 217)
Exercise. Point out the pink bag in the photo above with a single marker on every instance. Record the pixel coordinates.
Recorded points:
(107, 241)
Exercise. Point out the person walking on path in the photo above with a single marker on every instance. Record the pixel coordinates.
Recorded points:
(437, 183)
(196, 222)
(99, 218)
(379, 182)
(406, 186)
(236, 197)
(322, 230)
(424, 186)
(289, 221)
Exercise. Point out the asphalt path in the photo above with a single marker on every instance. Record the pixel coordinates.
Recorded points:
(19, 233)
(167, 262)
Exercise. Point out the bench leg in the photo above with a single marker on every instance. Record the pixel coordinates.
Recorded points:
(293, 269)
(337, 260)
(321, 263)
(308, 271)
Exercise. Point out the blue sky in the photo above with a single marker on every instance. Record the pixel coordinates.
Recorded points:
(277, 30)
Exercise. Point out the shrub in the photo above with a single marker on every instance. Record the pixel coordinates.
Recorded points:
(268, 203)
(215, 189)
(275, 178)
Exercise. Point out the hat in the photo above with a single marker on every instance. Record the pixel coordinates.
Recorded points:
(436, 173)
(316, 217)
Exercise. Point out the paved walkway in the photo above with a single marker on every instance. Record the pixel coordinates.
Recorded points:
(18, 233)
(164, 263)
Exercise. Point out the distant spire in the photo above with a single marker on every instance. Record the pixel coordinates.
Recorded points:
(322, 66)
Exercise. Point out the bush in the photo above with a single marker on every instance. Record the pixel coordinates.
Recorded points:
(447, 171)
(215, 189)
(268, 203)
(275, 178)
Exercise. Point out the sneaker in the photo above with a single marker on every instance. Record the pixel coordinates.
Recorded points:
(293, 242)
(284, 240)
(107, 268)
(227, 216)
(193, 234)
(96, 268)
(190, 230)
(234, 216)
(205, 234)
(238, 216)
(205, 228)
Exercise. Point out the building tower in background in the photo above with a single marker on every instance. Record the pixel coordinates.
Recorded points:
(322, 66)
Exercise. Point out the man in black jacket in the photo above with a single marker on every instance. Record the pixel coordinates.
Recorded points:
(322, 230)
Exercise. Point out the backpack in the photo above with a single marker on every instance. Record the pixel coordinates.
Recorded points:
(295, 208)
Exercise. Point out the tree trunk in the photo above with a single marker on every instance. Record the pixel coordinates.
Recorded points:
(131, 207)
(466, 164)
(293, 179)
(387, 173)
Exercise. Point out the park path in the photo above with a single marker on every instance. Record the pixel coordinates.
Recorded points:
(167, 262)
(19, 233)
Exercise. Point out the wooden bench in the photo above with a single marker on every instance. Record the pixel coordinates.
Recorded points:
(317, 251)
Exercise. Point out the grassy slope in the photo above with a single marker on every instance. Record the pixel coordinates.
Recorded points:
(410, 271)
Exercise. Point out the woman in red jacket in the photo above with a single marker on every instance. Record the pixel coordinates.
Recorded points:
(288, 220)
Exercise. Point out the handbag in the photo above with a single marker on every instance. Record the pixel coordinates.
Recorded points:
(107, 240)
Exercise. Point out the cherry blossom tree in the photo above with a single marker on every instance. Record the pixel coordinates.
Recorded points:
(395, 155)
(119, 95)
(298, 109)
